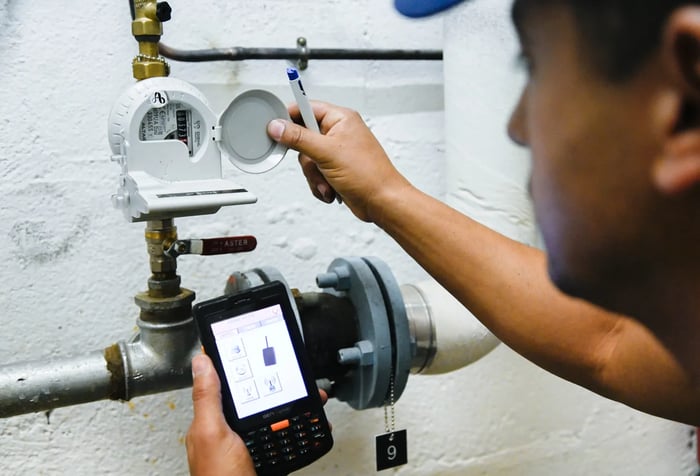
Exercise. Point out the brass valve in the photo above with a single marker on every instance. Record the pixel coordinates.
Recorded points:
(147, 28)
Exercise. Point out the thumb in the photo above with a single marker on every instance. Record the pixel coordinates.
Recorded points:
(298, 138)
(206, 392)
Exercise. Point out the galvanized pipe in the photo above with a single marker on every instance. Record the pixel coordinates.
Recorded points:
(45, 384)
(156, 360)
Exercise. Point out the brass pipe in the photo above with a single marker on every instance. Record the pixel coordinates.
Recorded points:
(159, 235)
(165, 301)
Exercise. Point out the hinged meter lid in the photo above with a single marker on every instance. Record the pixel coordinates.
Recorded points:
(242, 131)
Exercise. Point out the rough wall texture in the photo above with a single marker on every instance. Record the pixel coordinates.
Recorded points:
(71, 264)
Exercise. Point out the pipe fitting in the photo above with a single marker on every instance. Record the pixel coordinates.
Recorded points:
(447, 336)
(158, 358)
(160, 288)
(163, 266)
(165, 309)
(145, 22)
(422, 328)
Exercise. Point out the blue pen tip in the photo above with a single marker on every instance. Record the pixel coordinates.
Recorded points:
(292, 73)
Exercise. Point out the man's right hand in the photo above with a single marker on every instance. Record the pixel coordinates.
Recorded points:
(345, 159)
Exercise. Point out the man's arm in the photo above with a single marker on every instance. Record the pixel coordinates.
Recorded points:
(504, 283)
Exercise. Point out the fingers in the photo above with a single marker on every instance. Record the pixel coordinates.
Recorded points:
(298, 138)
(344, 161)
(317, 151)
(327, 115)
(303, 140)
(320, 188)
(307, 143)
(206, 394)
(212, 447)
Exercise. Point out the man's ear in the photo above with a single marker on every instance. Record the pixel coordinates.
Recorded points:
(678, 169)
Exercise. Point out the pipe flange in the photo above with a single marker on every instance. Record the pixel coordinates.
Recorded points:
(398, 324)
(368, 386)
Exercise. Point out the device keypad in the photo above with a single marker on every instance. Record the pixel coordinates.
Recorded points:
(286, 442)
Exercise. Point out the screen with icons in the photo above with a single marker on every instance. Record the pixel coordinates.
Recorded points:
(258, 358)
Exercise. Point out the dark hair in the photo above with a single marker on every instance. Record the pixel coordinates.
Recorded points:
(620, 34)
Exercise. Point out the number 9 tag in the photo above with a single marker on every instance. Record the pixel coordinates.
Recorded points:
(392, 450)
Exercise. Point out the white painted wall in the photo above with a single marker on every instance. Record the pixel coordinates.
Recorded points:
(71, 264)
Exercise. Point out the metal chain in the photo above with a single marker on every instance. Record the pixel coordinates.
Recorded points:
(142, 56)
(393, 408)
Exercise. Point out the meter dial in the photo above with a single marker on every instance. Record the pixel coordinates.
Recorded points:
(162, 126)
(174, 121)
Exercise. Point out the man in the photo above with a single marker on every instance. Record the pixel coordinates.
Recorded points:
(611, 114)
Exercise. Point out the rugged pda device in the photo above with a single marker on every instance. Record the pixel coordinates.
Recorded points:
(268, 391)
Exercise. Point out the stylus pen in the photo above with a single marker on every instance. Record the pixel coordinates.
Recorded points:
(307, 114)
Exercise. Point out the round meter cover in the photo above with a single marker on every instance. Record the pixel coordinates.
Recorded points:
(244, 136)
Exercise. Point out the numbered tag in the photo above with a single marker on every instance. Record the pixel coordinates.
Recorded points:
(392, 450)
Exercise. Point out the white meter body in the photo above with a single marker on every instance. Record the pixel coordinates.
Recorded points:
(169, 144)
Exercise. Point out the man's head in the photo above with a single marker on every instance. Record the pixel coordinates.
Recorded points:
(611, 114)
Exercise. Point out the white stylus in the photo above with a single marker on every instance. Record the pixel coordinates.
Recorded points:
(307, 114)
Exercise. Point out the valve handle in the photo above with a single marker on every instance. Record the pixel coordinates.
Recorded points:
(212, 246)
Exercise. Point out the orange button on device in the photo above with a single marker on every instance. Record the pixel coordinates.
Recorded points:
(280, 425)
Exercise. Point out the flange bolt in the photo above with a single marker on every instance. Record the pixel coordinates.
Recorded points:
(337, 278)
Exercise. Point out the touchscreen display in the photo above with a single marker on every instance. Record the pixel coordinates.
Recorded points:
(259, 360)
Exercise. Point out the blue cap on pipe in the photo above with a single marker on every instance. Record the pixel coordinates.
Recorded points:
(423, 8)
